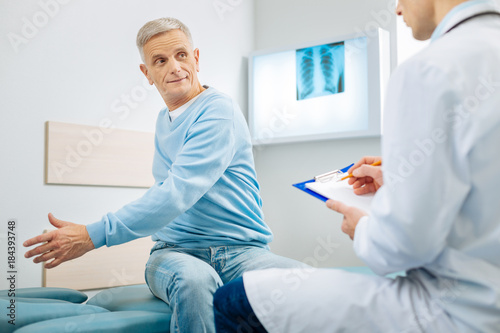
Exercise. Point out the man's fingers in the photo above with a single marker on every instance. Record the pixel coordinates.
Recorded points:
(337, 206)
(56, 222)
(54, 263)
(40, 249)
(46, 257)
(39, 239)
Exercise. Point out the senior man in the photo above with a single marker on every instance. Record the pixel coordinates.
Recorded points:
(204, 210)
(436, 213)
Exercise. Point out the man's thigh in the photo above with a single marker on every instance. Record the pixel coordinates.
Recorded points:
(241, 259)
(169, 270)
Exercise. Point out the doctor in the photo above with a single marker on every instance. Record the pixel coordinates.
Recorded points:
(437, 212)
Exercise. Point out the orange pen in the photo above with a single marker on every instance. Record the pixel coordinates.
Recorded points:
(350, 175)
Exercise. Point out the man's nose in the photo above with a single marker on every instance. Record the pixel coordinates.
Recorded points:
(399, 11)
(174, 66)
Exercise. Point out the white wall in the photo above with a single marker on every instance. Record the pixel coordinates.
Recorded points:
(79, 66)
(304, 228)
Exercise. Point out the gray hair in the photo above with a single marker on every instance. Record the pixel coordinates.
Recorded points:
(160, 26)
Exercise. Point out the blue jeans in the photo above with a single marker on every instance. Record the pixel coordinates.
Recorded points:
(233, 312)
(187, 278)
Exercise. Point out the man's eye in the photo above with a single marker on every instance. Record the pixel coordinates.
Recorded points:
(160, 61)
(182, 55)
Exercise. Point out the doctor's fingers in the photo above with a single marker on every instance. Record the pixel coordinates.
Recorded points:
(337, 206)
(367, 170)
(358, 182)
(368, 188)
(365, 160)
(347, 228)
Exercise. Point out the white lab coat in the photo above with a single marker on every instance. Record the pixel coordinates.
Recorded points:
(438, 214)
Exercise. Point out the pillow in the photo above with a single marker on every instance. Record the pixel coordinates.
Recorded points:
(36, 300)
(65, 294)
(129, 298)
(18, 313)
(111, 322)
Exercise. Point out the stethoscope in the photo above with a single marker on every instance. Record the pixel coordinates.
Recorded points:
(472, 17)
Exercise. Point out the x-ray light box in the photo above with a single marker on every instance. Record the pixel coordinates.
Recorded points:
(323, 90)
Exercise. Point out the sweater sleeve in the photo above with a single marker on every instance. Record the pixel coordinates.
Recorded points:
(424, 184)
(206, 154)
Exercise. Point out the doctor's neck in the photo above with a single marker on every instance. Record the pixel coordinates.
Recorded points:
(441, 8)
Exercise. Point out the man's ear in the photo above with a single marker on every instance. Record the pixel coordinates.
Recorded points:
(144, 70)
(196, 53)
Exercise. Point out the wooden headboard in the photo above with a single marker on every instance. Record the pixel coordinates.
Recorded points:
(105, 267)
(92, 155)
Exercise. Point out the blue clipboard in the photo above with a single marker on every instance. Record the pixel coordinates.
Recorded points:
(302, 186)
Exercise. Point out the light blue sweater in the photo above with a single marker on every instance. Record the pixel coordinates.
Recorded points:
(205, 192)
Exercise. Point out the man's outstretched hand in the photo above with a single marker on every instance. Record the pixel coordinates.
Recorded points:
(68, 242)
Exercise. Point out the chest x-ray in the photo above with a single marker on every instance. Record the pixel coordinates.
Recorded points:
(320, 70)
(317, 90)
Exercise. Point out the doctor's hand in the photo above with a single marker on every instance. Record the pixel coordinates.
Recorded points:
(351, 216)
(68, 242)
(366, 178)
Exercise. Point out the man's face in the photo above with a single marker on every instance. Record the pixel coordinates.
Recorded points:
(419, 15)
(172, 66)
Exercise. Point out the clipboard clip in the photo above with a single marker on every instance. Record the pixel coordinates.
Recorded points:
(334, 175)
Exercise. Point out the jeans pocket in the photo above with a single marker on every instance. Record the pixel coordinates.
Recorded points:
(159, 245)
